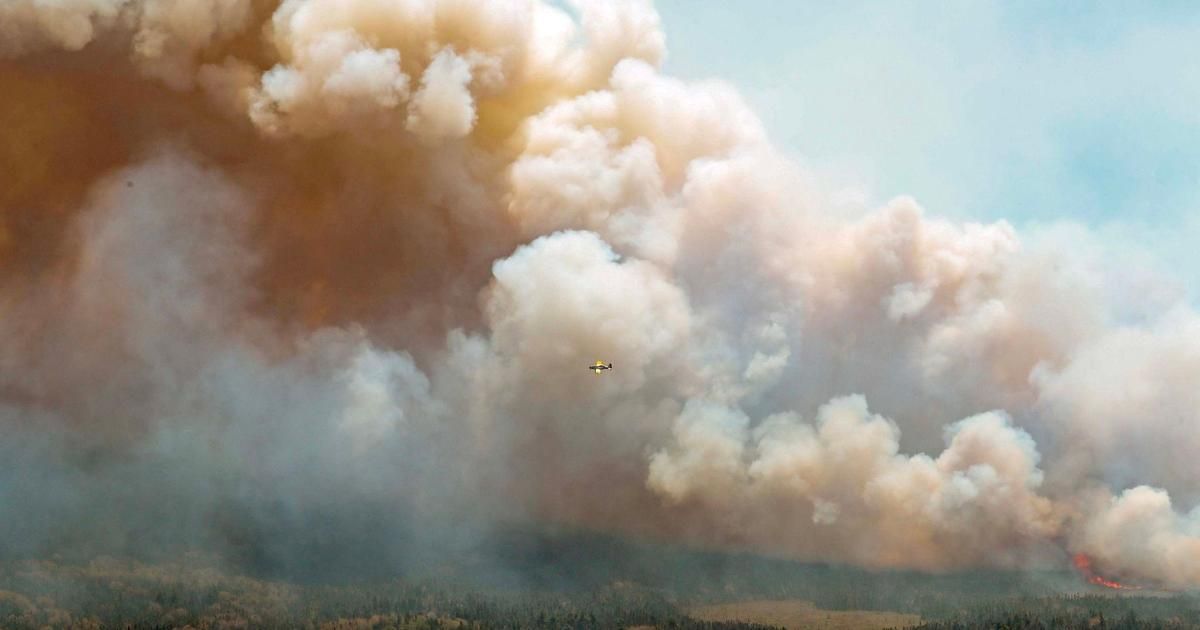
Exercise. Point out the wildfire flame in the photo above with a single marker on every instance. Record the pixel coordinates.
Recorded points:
(1084, 565)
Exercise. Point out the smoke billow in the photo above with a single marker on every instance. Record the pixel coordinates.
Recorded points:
(283, 275)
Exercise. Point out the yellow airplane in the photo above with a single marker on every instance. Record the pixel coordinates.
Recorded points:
(599, 367)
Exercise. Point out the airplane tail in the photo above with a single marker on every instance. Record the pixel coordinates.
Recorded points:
(610, 366)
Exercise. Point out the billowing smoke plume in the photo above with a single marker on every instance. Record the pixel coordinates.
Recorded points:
(284, 274)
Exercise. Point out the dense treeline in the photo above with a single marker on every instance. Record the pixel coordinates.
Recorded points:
(696, 577)
(1033, 621)
(546, 581)
(1076, 612)
(126, 594)
(565, 560)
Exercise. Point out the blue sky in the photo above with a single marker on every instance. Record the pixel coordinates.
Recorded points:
(1031, 112)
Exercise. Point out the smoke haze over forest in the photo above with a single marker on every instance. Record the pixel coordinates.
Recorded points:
(278, 277)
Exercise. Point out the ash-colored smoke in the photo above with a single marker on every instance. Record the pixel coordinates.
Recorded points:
(337, 267)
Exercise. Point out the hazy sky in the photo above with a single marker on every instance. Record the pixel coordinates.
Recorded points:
(1026, 111)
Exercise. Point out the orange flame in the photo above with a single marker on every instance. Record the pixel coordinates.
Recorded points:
(1084, 565)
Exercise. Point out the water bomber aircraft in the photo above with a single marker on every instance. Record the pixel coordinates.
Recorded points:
(599, 367)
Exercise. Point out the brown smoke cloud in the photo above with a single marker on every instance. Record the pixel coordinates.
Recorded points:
(264, 260)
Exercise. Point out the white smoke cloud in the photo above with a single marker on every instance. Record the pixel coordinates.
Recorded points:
(1139, 532)
(846, 472)
(333, 78)
(442, 108)
(28, 25)
(359, 254)
(1124, 403)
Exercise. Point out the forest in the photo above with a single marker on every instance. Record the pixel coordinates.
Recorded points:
(110, 593)
(549, 580)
